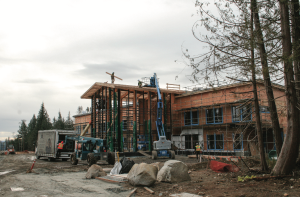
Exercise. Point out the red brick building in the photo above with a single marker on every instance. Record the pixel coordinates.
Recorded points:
(221, 118)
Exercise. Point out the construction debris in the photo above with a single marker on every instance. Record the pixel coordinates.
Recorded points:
(222, 167)
(132, 192)
(173, 171)
(126, 165)
(149, 190)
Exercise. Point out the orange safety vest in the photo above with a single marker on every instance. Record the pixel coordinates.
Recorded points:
(198, 148)
(60, 145)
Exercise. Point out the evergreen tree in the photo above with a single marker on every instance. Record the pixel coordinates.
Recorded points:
(43, 122)
(22, 135)
(69, 123)
(53, 122)
(32, 132)
(60, 123)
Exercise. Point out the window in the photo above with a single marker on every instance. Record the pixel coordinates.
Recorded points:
(237, 141)
(241, 114)
(264, 109)
(124, 125)
(78, 129)
(191, 118)
(84, 128)
(215, 142)
(214, 115)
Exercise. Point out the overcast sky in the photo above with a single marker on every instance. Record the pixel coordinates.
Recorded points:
(53, 51)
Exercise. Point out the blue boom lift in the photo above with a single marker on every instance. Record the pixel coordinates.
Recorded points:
(162, 147)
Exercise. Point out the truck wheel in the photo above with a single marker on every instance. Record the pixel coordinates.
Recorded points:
(91, 159)
(74, 161)
(51, 159)
(172, 154)
(154, 155)
(110, 159)
(64, 159)
(38, 157)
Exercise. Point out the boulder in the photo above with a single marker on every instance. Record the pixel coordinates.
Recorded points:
(142, 174)
(173, 171)
(94, 171)
(159, 165)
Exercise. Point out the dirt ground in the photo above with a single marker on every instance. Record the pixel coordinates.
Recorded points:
(61, 178)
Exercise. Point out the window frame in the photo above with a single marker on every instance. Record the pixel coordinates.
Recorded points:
(241, 115)
(242, 144)
(215, 141)
(214, 115)
(191, 118)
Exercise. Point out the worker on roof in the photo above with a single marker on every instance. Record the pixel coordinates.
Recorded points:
(139, 83)
(113, 77)
(61, 145)
(198, 152)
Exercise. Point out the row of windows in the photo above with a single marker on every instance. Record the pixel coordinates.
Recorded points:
(215, 115)
(216, 142)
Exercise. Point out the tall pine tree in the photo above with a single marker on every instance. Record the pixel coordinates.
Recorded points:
(69, 123)
(60, 123)
(32, 132)
(43, 122)
(22, 135)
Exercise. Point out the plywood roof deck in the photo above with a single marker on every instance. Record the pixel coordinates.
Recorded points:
(98, 85)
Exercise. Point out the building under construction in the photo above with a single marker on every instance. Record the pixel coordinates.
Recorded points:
(220, 118)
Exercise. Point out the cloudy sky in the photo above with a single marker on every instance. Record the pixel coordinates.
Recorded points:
(53, 51)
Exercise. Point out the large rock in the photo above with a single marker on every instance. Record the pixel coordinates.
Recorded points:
(173, 171)
(159, 165)
(142, 174)
(94, 171)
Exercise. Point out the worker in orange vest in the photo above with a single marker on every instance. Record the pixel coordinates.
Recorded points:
(61, 145)
(198, 151)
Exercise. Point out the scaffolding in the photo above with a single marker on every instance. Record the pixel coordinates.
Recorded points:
(125, 116)
(221, 119)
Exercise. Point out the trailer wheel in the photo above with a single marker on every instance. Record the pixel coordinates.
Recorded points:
(51, 159)
(172, 154)
(91, 159)
(154, 155)
(110, 159)
(74, 161)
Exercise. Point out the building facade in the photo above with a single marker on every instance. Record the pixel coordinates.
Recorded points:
(221, 118)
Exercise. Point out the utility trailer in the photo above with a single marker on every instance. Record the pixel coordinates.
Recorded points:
(47, 144)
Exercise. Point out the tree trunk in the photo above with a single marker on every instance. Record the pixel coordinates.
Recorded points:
(264, 166)
(295, 14)
(290, 148)
(267, 81)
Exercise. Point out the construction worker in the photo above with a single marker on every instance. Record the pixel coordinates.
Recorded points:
(61, 145)
(113, 77)
(139, 83)
(198, 151)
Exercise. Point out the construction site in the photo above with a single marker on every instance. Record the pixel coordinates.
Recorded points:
(159, 131)
(221, 118)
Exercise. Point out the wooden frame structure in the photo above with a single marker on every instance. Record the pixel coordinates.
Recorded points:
(125, 115)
